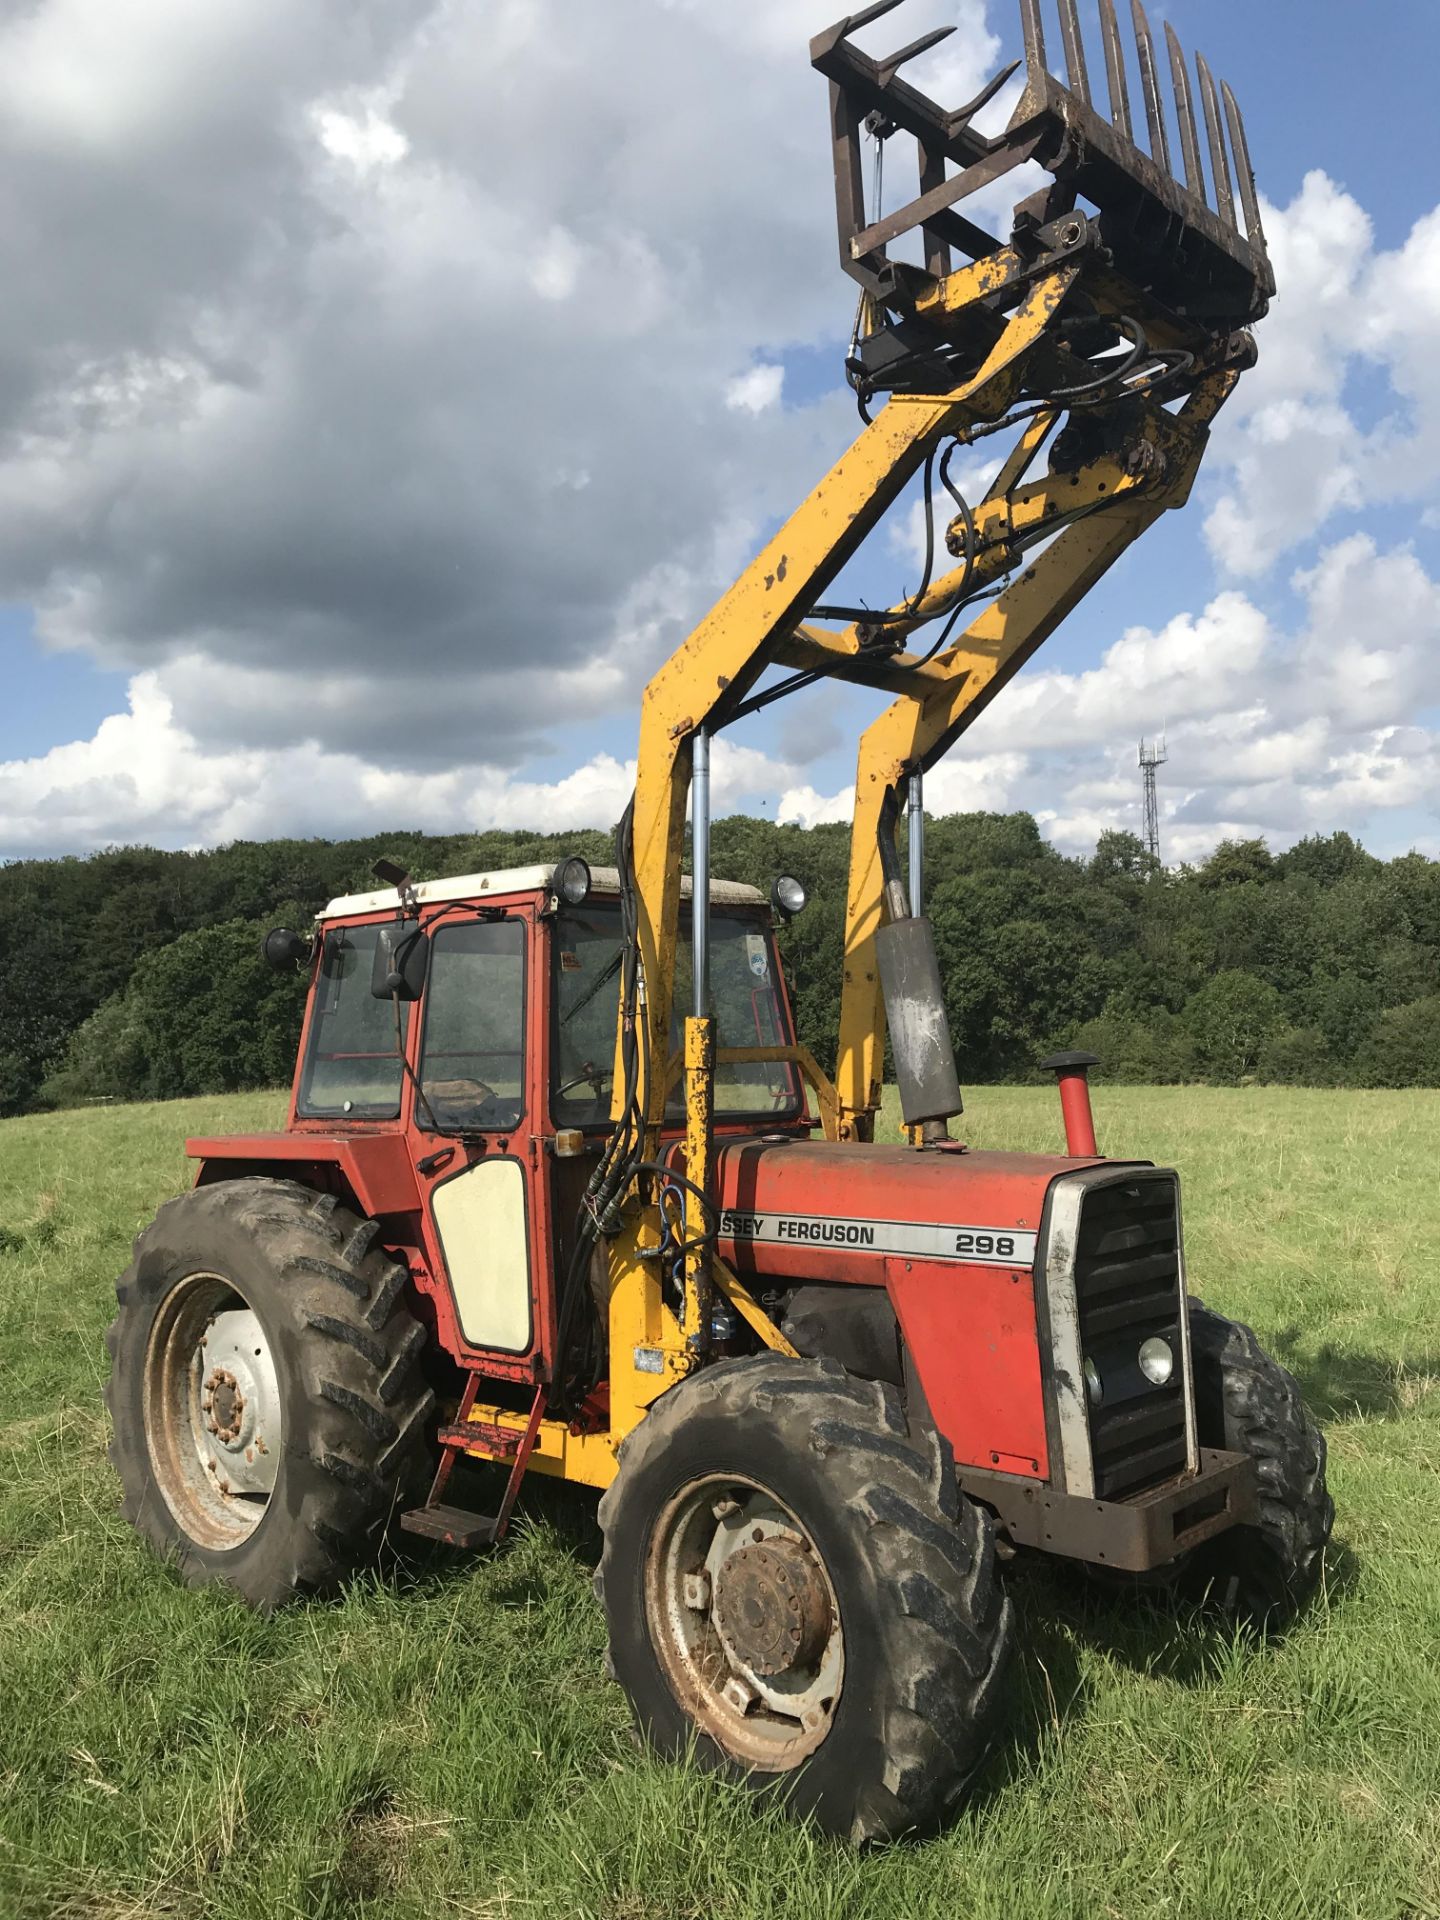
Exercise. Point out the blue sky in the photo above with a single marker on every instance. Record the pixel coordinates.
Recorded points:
(339, 479)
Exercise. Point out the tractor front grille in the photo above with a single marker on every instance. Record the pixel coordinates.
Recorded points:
(1127, 1278)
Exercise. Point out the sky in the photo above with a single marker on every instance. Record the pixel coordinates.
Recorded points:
(387, 386)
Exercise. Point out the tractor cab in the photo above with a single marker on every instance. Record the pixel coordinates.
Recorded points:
(485, 1007)
(455, 1072)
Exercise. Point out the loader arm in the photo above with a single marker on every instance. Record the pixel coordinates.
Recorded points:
(1103, 334)
(712, 671)
(923, 723)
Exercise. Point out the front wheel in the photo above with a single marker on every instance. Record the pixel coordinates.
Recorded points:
(796, 1588)
(1247, 1402)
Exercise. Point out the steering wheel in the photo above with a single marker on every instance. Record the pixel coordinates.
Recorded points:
(460, 1093)
(589, 1076)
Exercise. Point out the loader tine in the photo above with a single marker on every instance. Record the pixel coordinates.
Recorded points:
(1245, 178)
(1219, 166)
(867, 14)
(1185, 114)
(892, 64)
(1033, 28)
(1115, 69)
(1150, 86)
(1074, 50)
(987, 93)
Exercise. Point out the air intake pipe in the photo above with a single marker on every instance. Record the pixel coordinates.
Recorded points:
(1072, 1071)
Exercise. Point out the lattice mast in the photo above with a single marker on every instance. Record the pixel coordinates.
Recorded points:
(1152, 755)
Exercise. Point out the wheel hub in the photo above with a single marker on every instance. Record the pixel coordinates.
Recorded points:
(224, 1405)
(745, 1620)
(771, 1607)
(239, 1403)
(213, 1411)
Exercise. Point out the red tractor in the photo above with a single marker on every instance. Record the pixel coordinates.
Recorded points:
(524, 1213)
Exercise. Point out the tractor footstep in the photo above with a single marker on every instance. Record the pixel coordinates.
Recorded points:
(456, 1526)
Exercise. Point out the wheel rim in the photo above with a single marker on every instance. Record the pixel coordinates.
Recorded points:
(743, 1615)
(213, 1422)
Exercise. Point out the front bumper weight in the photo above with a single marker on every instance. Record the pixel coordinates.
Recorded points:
(1147, 1530)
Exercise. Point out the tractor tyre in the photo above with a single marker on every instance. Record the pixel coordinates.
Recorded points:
(266, 1396)
(798, 1593)
(1246, 1402)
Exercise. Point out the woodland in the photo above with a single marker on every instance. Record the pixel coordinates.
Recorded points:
(135, 973)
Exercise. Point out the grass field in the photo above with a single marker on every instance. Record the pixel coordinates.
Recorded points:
(443, 1742)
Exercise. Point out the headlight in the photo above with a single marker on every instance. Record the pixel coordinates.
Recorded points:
(1157, 1361)
(787, 896)
(1094, 1385)
(572, 881)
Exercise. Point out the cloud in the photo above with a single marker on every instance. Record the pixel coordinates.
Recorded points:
(756, 390)
(1297, 454)
(354, 393)
(1271, 730)
(144, 777)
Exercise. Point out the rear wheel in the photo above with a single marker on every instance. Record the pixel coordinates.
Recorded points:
(265, 1393)
(794, 1586)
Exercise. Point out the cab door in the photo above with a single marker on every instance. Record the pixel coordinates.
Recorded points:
(472, 1078)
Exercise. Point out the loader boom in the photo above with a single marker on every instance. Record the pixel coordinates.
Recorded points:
(1106, 331)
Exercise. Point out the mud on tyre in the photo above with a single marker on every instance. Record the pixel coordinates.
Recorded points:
(795, 1586)
(266, 1398)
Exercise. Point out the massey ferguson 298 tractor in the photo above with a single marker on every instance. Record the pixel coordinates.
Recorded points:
(525, 1212)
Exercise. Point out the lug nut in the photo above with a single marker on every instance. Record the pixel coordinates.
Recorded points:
(696, 1590)
(737, 1695)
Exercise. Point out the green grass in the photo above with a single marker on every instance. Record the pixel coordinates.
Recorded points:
(442, 1740)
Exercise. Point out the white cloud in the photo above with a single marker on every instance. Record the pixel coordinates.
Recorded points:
(365, 138)
(145, 777)
(1296, 453)
(417, 432)
(756, 390)
(1270, 731)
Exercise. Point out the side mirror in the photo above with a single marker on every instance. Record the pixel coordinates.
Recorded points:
(285, 951)
(402, 956)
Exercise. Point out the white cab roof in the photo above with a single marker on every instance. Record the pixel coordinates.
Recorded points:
(605, 880)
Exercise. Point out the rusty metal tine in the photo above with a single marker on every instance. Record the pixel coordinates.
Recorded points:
(1150, 87)
(1074, 50)
(1185, 114)
(892, 63)
(987, 93)
(1115, 69)
(867, 14)
(1219, 165)
(1033, 27)
(1245, 178)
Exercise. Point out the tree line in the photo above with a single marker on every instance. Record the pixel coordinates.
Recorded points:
(135, 973)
